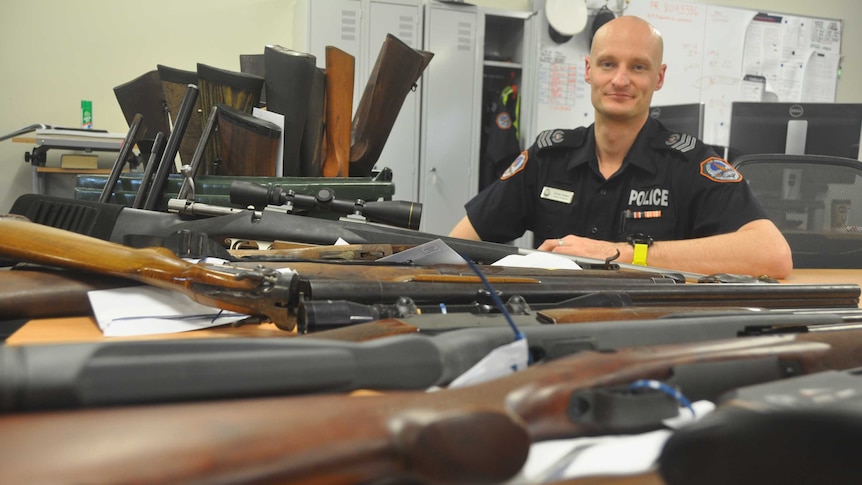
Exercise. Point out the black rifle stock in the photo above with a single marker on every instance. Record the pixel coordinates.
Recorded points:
(289, 78)
(143, 95)
(312, 148)
(475, 434)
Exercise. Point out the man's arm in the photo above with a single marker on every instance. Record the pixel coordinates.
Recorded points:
(465, 230)
(757, 248)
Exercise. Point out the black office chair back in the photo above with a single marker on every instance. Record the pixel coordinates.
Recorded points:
(816, 202)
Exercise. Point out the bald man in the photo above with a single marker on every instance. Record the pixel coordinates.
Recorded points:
(626, 183)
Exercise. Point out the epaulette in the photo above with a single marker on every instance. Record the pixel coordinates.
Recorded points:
(561, 138)
(687, 145)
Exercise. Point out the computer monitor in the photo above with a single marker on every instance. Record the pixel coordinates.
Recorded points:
(832, 129)
(682, 118)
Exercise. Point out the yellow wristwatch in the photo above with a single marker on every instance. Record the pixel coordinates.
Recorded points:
(641, 243)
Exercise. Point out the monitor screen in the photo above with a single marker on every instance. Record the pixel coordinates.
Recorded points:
(682, 118)
(796, 128)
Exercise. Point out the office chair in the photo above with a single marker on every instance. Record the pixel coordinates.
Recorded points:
(816, 202)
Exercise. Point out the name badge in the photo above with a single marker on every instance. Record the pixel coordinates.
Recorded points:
(557, 195)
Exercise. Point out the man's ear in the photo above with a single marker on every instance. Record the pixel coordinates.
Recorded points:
(587, 69)
(661, 73)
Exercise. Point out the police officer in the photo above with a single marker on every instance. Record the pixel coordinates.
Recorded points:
(627, 184)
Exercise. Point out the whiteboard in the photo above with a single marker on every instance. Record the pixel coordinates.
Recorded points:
(715, 55)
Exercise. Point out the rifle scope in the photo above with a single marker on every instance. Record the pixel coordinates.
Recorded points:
(397, 213)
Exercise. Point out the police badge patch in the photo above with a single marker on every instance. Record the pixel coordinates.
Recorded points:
(718, 170)
(504, 121)
(516, 166)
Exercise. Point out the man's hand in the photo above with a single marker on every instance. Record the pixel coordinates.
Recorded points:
(588, 248)
(757, 248)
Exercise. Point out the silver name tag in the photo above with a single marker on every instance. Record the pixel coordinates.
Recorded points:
(557, 195)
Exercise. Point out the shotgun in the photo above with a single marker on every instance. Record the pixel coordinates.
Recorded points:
(143, 96)
(340, 74)
(474, 434)
(257, 292)
(396, 71)
(71, 375)
(129, 142)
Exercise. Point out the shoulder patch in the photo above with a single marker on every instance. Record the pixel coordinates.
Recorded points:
(560, 138)
(681, 142)
(516, 166)
(718, 170)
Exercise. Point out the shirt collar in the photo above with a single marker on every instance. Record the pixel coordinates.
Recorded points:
(641, 146)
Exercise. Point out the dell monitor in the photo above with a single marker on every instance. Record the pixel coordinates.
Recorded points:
(681, 118)
(796, 128)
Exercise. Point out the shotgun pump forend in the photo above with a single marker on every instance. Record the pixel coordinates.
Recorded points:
(397, 213)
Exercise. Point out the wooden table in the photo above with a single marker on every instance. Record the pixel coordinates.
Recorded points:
(84, 329)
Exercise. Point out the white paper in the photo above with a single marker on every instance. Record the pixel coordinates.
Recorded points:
(538, 259)
(146, 310)
(278, 119)
(603, 455)
(432, 252)
(500, 362)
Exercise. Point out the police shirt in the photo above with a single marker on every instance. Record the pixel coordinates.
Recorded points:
(670, 186)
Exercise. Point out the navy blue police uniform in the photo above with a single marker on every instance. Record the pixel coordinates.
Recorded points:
(670, 186)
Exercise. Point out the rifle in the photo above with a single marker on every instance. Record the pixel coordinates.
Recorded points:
(340, 73)
(254, 292)
(114, 224)
(396, 71)
(475, 434)
(71, 375)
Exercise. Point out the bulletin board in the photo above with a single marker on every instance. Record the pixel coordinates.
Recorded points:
(715, 55)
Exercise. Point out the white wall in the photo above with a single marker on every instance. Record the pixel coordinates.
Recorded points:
(55, 53)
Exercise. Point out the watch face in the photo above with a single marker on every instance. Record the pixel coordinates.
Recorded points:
(639, 238)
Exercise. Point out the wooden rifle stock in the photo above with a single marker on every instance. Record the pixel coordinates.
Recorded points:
(340, 75)
(248, 145)
(475, 434)
(397, 69)
(261, 292)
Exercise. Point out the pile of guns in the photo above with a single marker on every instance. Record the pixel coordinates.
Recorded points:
(612, 348)
(275, 409)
